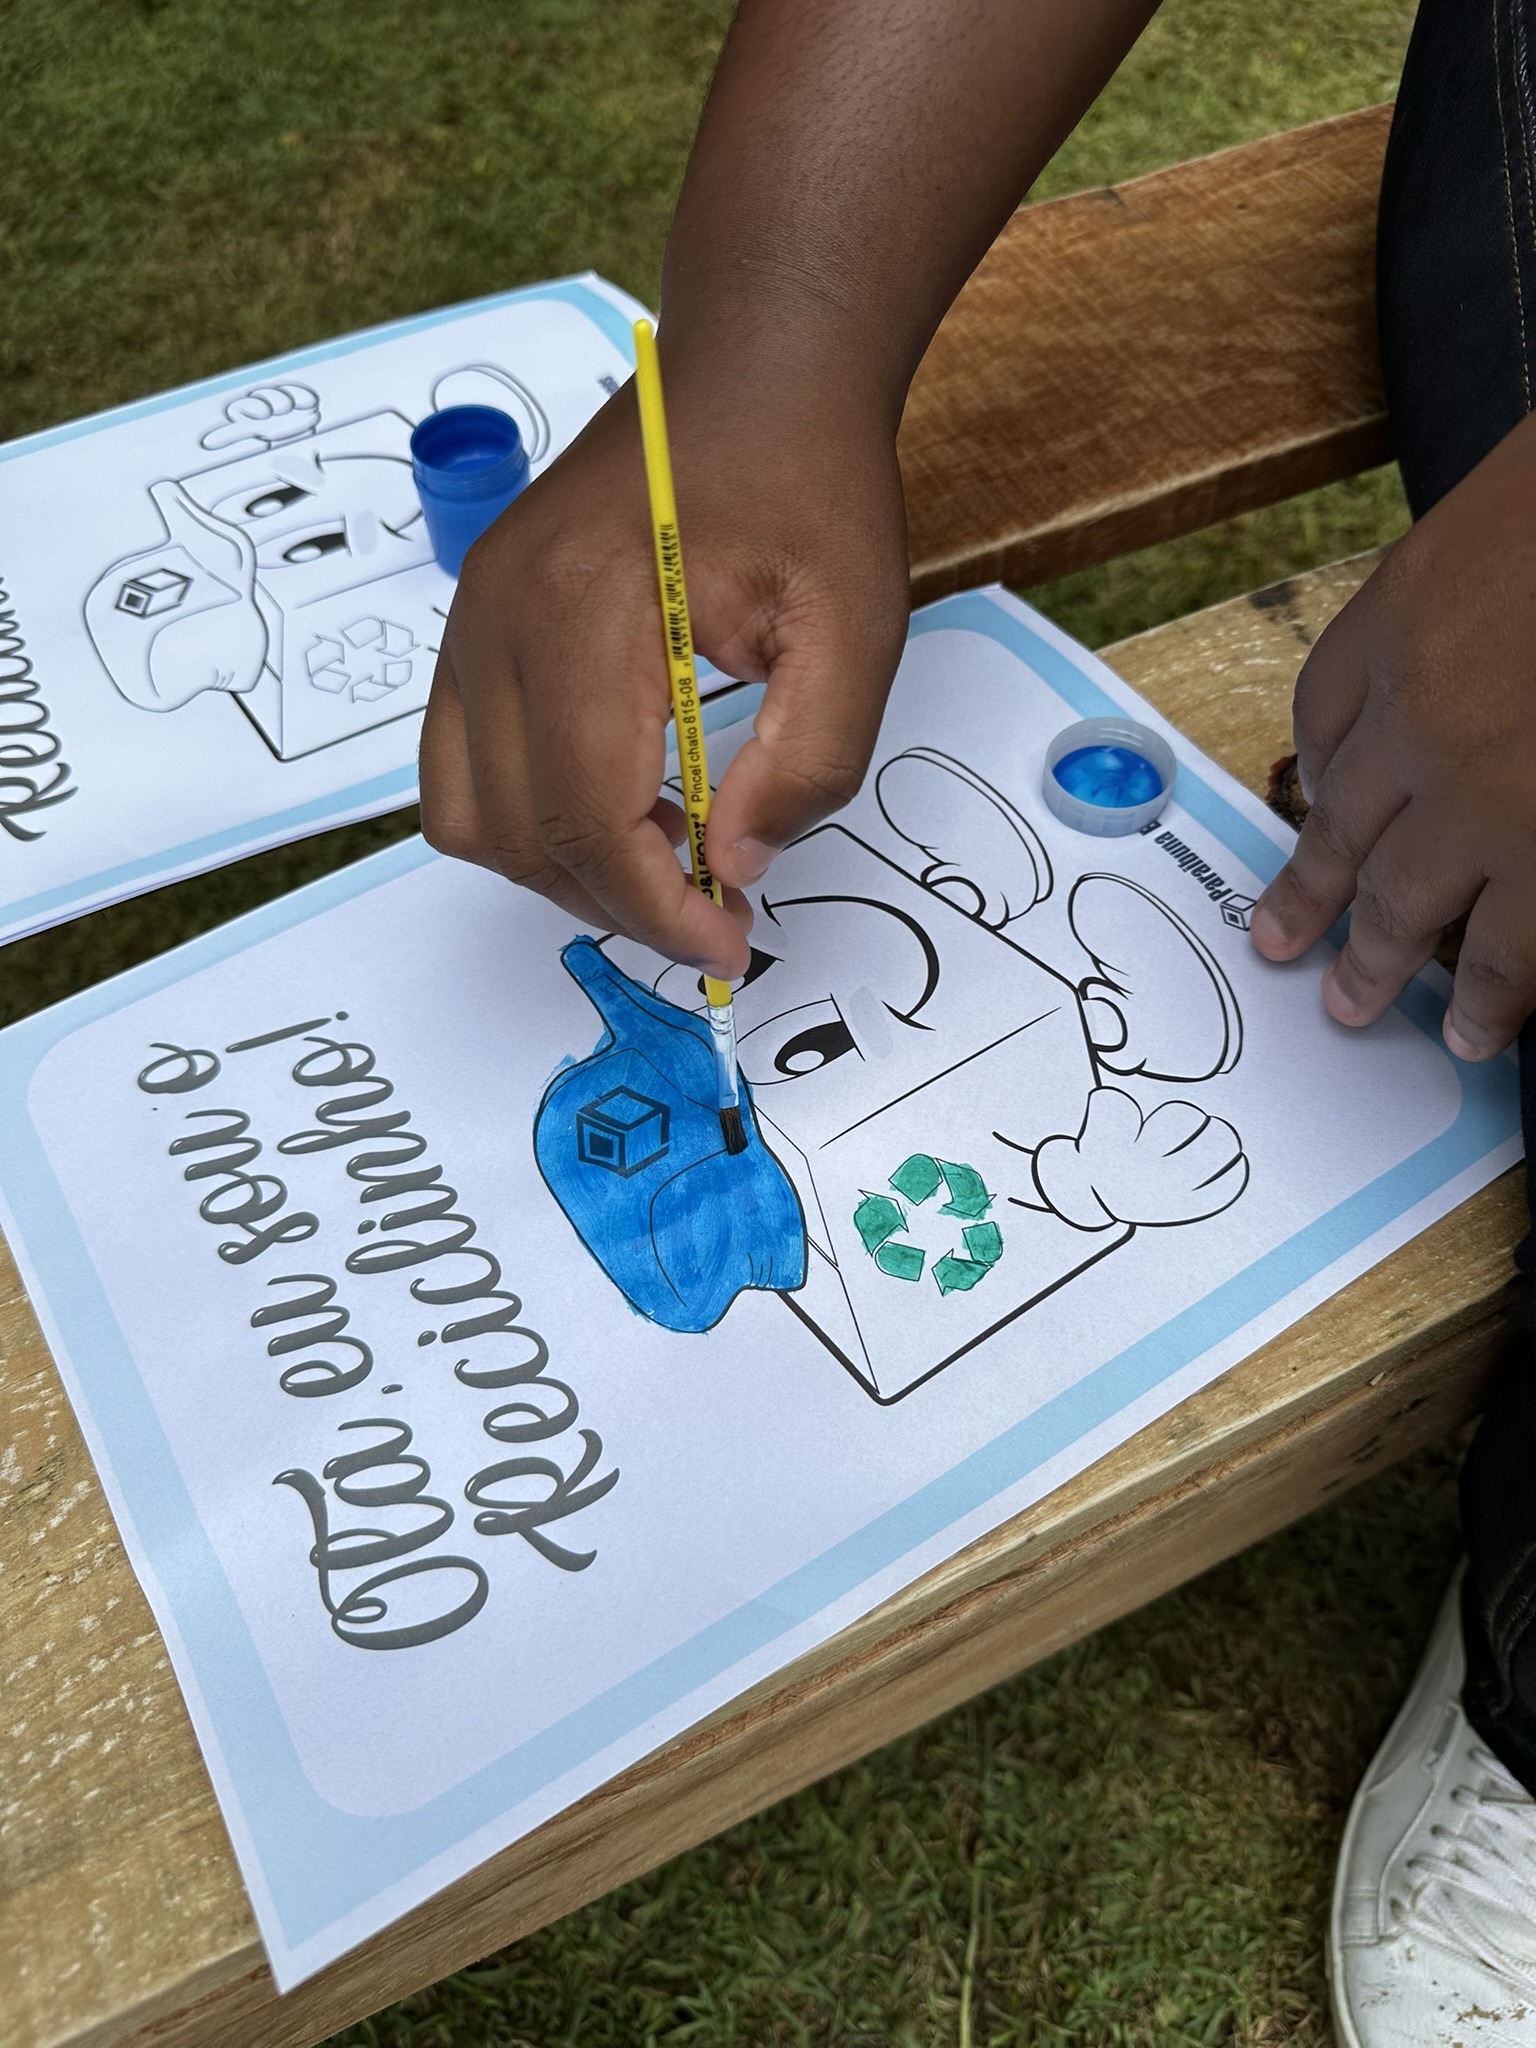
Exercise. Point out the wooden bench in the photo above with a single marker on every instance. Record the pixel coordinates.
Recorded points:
(1131, 364)
(1125, 366)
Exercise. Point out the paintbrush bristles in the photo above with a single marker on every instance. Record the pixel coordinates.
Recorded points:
(733, 1130)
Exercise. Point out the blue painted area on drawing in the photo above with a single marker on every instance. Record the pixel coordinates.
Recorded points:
(628, 1141)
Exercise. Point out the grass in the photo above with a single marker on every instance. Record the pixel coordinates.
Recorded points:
(186, 185)
(1133, 1844)
(1130, 1847)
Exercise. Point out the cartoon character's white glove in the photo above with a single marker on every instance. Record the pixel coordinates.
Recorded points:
(267, 414)
(980, 852)
(1175, 1166)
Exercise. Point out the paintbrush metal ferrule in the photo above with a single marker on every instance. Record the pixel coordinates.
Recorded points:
(722, 1030)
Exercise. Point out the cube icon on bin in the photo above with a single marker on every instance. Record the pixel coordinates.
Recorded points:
(156, 590)
(622, 1131)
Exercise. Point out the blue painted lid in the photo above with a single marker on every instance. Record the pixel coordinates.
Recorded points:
(468, 452)
(1108, 776)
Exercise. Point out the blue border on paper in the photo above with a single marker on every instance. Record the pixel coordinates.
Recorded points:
(392, 791)
(320, 1863)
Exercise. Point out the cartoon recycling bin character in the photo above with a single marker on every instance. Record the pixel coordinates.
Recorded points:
(950, 1109)
(294, 573)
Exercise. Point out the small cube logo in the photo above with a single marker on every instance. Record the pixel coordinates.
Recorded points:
(622, 1131)
(1237, 910)
(157, 590)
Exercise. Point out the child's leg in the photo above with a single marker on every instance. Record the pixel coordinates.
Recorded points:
(1498, 1515)
(1457, 307)
(1433, 1930)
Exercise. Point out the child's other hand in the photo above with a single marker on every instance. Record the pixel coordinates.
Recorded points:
(545, 738)
(1415, 720)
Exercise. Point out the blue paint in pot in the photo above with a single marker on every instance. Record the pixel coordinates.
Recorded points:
(1108, 776)
(629, 1143)
(1114, 778)
(469, 463)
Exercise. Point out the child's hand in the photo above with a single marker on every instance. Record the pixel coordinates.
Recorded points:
(1415, 721)
(852, 164)
(544, 744)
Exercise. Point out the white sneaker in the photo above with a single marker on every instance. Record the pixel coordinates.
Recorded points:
(1433, 1931)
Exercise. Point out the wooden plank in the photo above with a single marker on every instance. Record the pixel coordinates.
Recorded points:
(122, 1917)
(1224, 675)
(1134, 363)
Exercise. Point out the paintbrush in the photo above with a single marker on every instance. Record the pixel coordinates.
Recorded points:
(691, 760)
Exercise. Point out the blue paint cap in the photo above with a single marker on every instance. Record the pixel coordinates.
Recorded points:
(469, 463)
(1108, 776)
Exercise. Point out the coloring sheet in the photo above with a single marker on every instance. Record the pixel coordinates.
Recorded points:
(476, 1424)
(219, 609)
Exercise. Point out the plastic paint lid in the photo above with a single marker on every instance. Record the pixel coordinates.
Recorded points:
(469, 463)
(468, 451)
(1108, 776)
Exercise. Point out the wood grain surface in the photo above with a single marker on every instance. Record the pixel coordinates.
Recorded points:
(122, 1916)
(1221, 314)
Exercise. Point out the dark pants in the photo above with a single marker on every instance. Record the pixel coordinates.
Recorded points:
(1457, 302)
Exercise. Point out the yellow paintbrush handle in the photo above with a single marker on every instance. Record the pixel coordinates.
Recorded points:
(691, 758)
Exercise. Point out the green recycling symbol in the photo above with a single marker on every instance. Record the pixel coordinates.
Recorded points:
(880, 1218)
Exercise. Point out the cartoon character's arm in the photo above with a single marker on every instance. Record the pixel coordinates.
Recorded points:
(185, 616)
(1176, 1165)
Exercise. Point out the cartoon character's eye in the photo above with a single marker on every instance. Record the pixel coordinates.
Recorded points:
(757, 966)
(794, 1043)
(813, 1048)
(315, 548)
(275, 501)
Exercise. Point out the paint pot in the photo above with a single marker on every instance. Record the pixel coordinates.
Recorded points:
(469, 463)
(1108, 776)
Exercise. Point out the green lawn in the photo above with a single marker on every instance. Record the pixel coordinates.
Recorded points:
(1130, 1847)
(1132, 1844)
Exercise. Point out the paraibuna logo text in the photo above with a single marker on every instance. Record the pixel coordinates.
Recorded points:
(32, 776)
